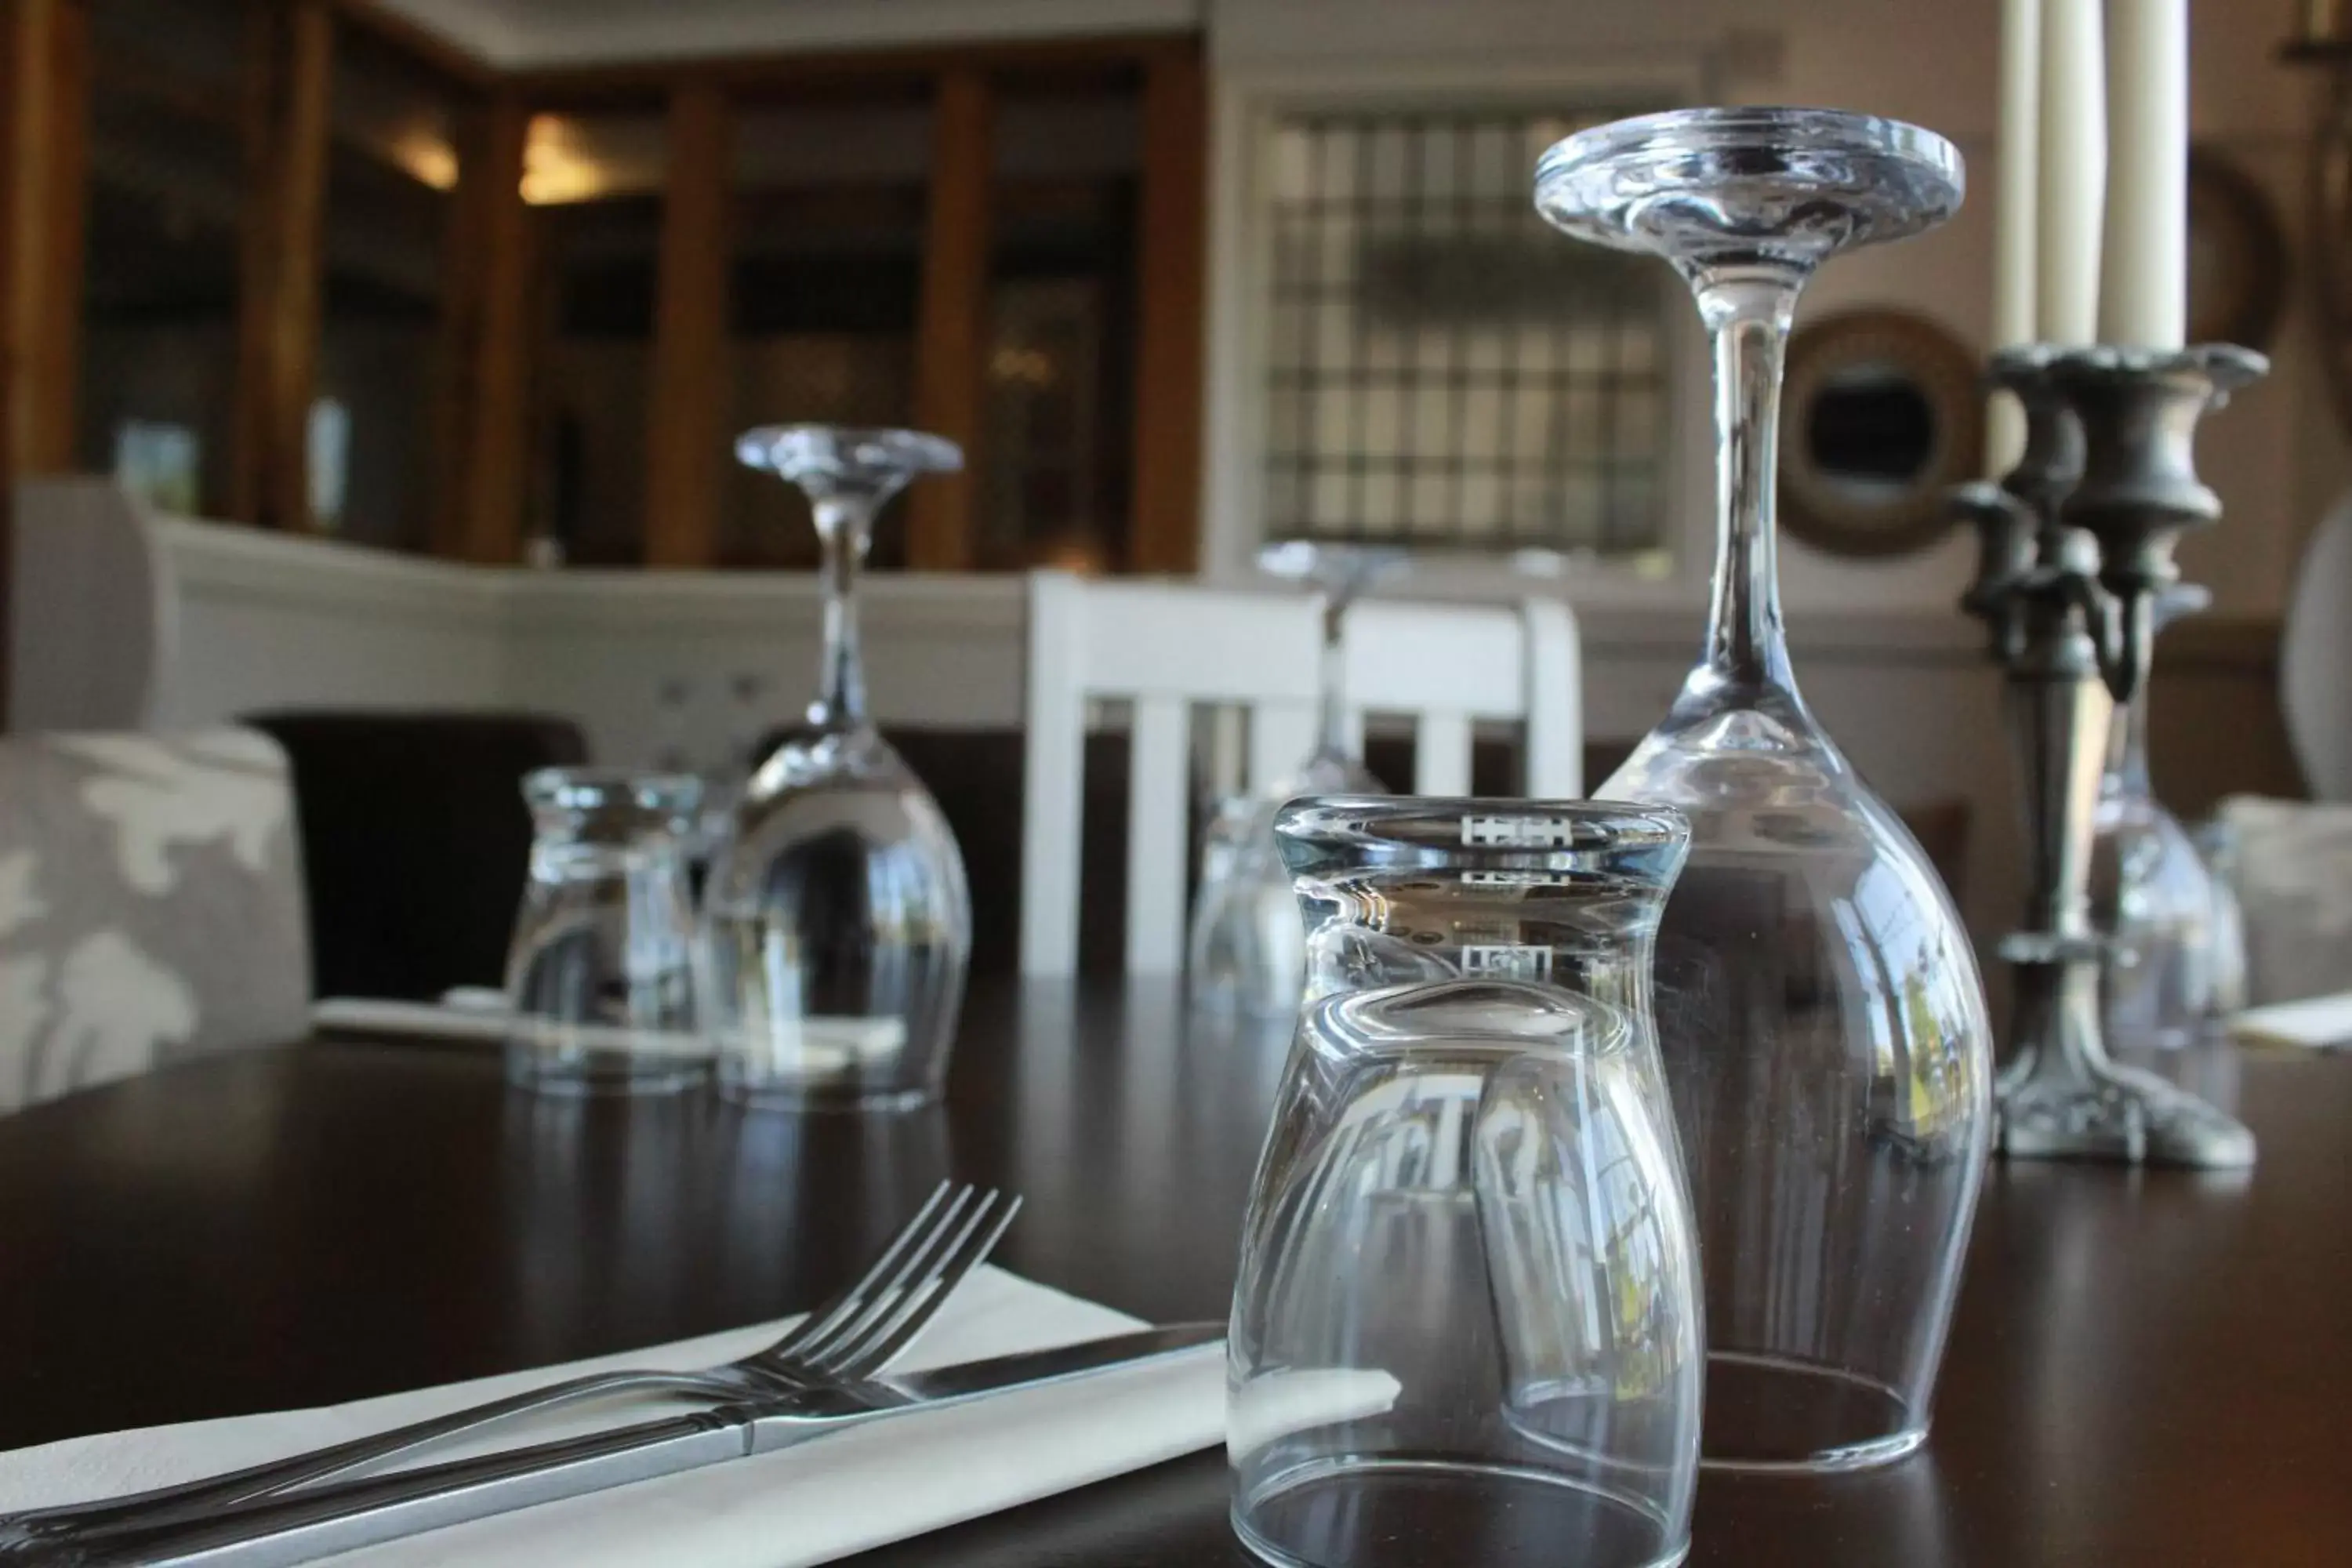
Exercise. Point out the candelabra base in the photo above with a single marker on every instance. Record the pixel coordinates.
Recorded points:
(2124, 1117)
(2062, 1098)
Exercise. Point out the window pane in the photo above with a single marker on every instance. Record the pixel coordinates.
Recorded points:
(1059, 409)
(825, 230)
(1441, 366)
(166, 215)
(594, 185)
(391, 173)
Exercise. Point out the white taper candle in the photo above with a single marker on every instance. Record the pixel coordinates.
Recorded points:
(2143, 258)
(2073, 171)
(2017, 153)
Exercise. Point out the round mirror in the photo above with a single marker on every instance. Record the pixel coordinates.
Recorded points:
(1880, 416)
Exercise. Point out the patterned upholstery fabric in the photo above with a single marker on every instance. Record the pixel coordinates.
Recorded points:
(150, 905)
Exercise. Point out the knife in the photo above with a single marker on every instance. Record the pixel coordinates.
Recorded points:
(345, 1515)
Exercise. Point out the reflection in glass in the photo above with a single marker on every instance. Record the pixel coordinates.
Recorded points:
(836, 923)
(1823, 1024)
(1466, 1324)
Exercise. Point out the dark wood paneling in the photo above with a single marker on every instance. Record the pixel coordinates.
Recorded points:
(291, 67)
(824, 72)
(495, 306)
(432, 48)
(951, 331)
(2214, 724)
(1164, 514)
(44, 123)
(44, 137)
(685, 439)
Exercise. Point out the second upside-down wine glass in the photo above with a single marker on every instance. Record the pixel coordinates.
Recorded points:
(1822, 1022)
(1246, 950)
(836, 923)
(2175, 970)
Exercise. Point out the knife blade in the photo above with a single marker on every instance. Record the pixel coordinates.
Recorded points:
(1027, 1369)
(343, 1516)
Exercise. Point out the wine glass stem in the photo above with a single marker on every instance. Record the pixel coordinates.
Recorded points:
(844, 525)
(2128, 745)
(1331, 716)
(1749, 318)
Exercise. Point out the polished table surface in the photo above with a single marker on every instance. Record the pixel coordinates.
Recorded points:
(2147, 1367)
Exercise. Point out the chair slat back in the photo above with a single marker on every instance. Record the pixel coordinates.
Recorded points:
(1162, 648)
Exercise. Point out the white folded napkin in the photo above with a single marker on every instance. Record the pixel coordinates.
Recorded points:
(809, 1047)
(2315, 1023)
(844, 1493)
(442, 1020)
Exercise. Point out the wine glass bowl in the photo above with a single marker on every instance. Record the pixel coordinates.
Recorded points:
(1822, 1021)
(837, 921)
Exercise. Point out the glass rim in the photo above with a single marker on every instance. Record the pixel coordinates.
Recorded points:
(879, 447)
(1520, 827)
(658, 794)
(1792, 128)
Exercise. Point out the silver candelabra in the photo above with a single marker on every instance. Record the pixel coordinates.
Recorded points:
(2077, 544)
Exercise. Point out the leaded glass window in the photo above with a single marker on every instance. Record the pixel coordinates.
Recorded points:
(1443, 369)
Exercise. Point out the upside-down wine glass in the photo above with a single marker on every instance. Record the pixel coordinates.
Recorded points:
(1246, 951)
(1822, 1021)
(836, 923)
(2173, 970)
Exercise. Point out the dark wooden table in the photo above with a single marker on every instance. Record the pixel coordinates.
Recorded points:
(2147, 1368)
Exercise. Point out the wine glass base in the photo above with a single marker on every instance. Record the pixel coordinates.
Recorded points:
(2120, 1116)
(603, 1076)
(1396, 1511)
(824, 1097)
(1776, 1415)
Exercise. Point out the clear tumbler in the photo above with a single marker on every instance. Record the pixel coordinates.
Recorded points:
(600, 976)
(1467, 1325)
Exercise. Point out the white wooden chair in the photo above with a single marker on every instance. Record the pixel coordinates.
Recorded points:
(1164, 648)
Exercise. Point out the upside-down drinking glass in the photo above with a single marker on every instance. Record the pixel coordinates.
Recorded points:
(1246, 951)
(1822, 1021)
(1467, 1327)
(836, 920)
(600, 975)
(2174, 966)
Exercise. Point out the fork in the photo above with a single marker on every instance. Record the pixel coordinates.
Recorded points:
(847, 1340)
